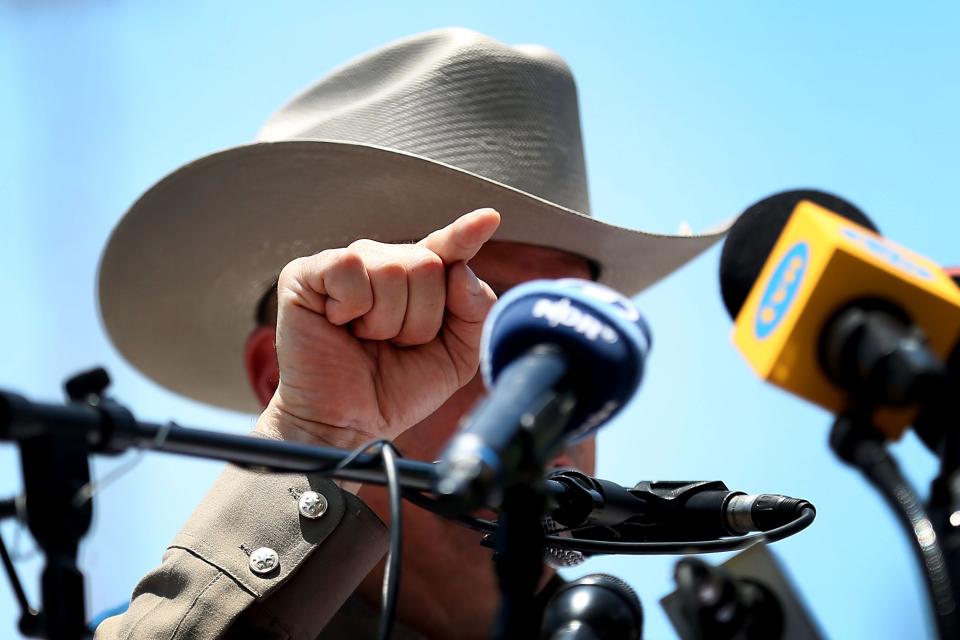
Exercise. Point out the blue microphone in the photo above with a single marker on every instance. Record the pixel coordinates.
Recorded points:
(559, 358)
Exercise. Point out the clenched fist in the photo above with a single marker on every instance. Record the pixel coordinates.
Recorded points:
(374, 337)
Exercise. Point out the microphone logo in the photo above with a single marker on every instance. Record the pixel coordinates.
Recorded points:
(619, 303)
(562, 312)
(782, 289)
(888, 252)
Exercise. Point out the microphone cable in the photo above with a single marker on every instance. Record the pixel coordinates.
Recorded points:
(26, 611)
(391, 573)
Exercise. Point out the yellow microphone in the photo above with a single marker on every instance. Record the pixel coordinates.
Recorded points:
(831, 311)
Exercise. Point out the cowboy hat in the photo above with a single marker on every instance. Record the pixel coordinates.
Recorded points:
(390, 146)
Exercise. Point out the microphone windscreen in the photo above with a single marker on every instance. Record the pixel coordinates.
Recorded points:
(595, 606)
(601, 332)
(752, 238)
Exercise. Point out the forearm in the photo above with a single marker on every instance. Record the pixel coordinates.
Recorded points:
(281, 422)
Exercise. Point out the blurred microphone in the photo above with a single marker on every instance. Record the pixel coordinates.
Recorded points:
(829, 310)
(718, 606)
(595, 607)
(664, 510)
(559, 358)
(749, 597)
(954, 273)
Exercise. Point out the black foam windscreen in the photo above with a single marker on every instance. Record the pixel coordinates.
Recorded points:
(753, 236)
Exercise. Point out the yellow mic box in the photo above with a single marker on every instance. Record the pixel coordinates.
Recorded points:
(821, 263)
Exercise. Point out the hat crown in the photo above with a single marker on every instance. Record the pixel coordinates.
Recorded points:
(455, 96)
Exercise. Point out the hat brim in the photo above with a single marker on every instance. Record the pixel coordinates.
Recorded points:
(183, 271)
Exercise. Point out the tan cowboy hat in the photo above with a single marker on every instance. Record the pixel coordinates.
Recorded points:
(390, 146)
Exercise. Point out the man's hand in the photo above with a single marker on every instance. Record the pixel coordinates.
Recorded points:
(373, 338)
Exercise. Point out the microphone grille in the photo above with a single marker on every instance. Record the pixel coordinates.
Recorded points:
(613, 581)
(556, 557)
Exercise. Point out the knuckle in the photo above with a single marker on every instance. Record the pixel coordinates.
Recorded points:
(364, 245)
(437, 238)
(426, 263)
(393, 272)
(344, 266)
(344, 258)
(290, 272)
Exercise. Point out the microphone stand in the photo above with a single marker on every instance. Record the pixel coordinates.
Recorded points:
(944, 505)
(55, 443)
(519, 561)
(857, 442)
(105, 427)
(55, 468)
(938, 426)
(879, 361)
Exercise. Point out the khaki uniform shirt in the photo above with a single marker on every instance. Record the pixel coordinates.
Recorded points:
(205, 587)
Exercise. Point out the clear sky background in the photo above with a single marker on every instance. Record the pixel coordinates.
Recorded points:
(691, 112)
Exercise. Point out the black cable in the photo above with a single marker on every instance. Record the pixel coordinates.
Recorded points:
(603, 547)
(391, 574)
(353, 455)
(596, 547)
(25, 609)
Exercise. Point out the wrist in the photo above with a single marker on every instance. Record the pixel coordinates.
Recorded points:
(279, 423)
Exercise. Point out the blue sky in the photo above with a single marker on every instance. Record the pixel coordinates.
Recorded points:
(691, 112)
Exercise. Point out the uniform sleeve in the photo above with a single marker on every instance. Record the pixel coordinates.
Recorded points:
(248, 563)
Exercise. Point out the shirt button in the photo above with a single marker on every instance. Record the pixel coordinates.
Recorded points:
(264, 560)
(312, 505)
